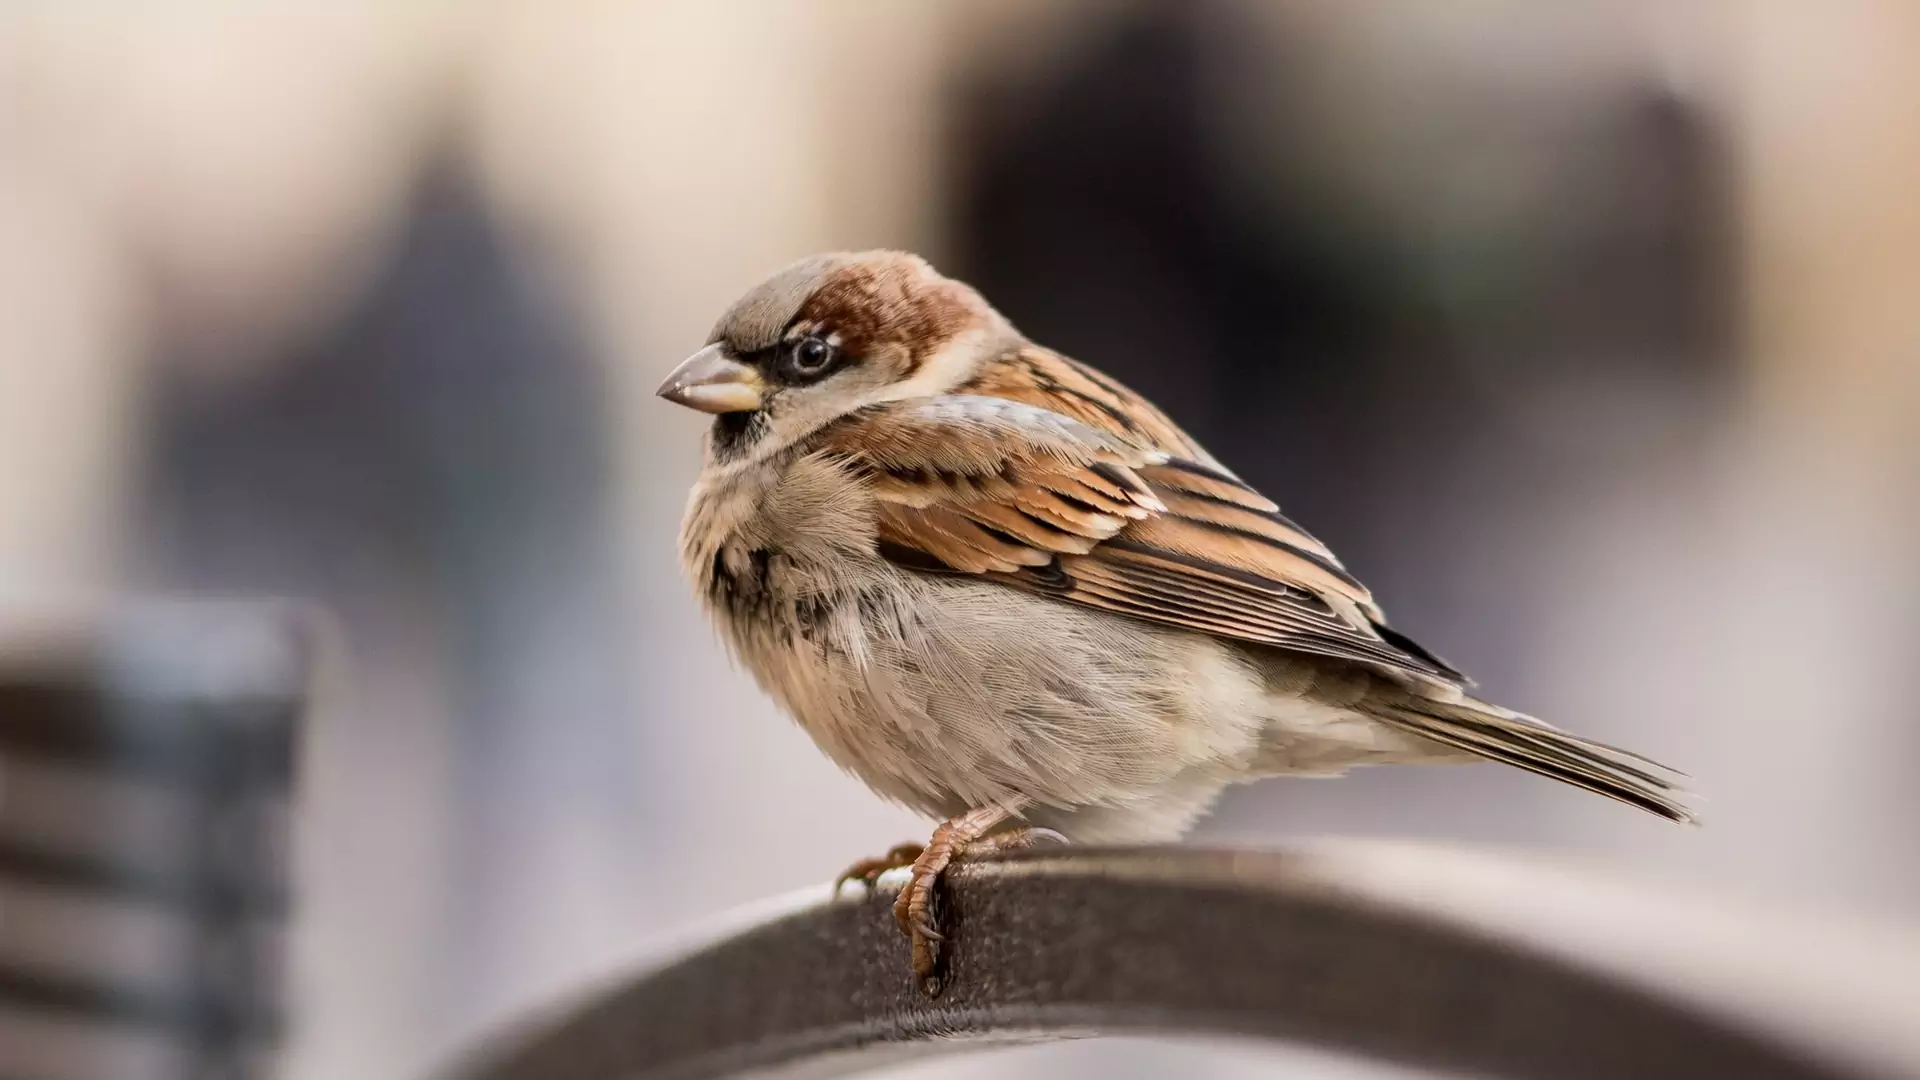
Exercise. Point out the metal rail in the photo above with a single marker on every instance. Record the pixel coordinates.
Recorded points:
(1444, 959)
(147, 757)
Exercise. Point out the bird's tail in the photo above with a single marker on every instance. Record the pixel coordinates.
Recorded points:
(1497, 734)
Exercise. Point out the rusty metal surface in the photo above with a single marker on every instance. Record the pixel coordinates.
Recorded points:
(1290, 947)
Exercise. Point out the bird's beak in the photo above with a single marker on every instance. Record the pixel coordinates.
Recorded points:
(714, 382)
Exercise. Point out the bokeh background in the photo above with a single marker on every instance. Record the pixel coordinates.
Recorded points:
(1588, 333)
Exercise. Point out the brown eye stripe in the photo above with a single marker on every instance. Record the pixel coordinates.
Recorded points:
(868, 306)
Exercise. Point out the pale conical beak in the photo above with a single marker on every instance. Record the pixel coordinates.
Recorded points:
(714, 382)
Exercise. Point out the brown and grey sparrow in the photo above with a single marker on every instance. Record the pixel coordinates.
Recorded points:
(1006, 591)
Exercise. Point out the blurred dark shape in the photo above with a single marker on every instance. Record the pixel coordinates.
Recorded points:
(1396, 386)
(434, 469)
(1093, 213)
(145, 786)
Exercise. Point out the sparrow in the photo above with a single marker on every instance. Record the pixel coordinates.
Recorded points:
(1006, 591)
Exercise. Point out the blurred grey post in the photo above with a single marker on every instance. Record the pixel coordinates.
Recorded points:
(146, 762)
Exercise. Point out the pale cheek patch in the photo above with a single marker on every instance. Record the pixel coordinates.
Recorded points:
(948, 367)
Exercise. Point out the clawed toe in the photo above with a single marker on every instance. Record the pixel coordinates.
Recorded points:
(914, 909)
(868, 871)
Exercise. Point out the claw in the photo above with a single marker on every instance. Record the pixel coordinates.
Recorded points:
(1014, 840)
(902, 911)
(868, 871)
(913, 908)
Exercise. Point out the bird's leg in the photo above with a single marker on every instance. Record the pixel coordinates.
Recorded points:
(956, 838)
(866, 871)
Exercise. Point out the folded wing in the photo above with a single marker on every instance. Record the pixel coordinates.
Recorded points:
(1046, 502)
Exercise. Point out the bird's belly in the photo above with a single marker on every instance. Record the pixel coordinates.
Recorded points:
(945, 693)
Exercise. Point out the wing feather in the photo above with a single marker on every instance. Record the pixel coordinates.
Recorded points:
(1084, 493)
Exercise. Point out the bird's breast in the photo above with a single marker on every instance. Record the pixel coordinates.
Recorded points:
(947, 691)
(774, 548)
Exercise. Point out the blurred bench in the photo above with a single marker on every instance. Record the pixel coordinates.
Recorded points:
(1443, 959)
(146, 760)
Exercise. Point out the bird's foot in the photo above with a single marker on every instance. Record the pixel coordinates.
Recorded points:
(867, 871)
(914, 910)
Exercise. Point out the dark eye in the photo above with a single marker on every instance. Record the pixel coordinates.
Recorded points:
(810, 357)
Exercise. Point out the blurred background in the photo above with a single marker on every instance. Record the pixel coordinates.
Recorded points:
(1586, 332)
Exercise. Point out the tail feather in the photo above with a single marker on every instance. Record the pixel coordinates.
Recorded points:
(1499, 735)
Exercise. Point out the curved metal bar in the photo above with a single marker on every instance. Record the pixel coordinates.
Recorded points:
(1441, 959)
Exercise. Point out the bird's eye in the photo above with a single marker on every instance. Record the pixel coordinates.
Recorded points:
(810, 357)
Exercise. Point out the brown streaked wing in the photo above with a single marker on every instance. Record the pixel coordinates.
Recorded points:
(1046, 379)
(981, 484)
(1154, 585)
(1194, 482)
(1045, 502)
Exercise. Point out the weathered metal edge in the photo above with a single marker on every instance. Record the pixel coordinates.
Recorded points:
(1437, 958)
